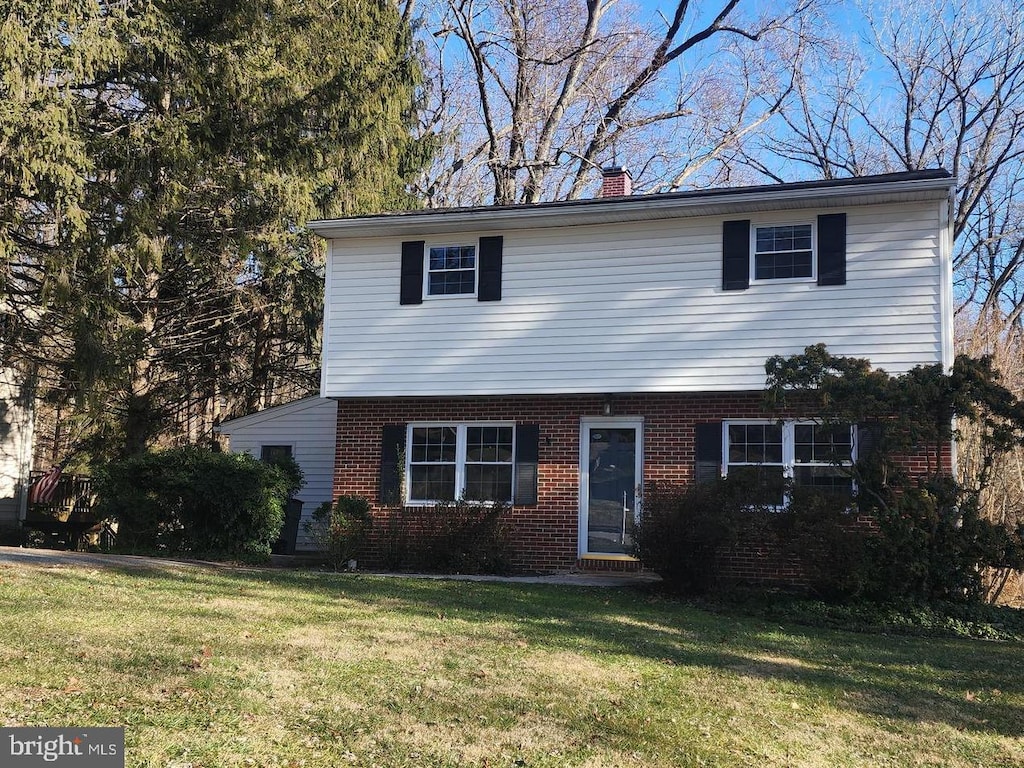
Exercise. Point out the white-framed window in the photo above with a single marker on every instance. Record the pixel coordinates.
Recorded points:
(449, 461)
(782, 251)
(451, 270)
(807, 454)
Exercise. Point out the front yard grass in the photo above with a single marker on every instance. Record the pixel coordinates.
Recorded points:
(259, 668)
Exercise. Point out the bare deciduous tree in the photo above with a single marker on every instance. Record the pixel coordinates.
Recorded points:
(928, 84)
(988, 333)
(529, 99)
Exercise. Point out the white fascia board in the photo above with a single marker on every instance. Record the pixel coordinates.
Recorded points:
(641, 208)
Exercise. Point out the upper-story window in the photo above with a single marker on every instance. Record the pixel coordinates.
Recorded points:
(783, 252)
(451, 270)
(446, 270)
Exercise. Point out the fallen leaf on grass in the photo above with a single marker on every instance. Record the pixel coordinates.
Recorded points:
(197, 662)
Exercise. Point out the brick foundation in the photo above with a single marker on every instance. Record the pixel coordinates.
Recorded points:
(545, 535)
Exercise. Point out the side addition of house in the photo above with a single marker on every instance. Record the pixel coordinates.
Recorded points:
(303, 430)
(558, 356)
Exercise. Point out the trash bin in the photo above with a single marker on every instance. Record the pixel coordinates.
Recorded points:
(285, 544)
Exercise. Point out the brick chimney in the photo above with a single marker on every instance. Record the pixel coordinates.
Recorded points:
(616, 181)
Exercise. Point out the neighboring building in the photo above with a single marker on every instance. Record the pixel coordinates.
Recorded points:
(305, 430)
(559, 355)
(16, 424)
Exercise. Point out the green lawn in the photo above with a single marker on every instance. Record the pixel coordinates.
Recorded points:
(251, 668)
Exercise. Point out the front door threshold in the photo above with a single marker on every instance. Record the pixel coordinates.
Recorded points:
(609, 562)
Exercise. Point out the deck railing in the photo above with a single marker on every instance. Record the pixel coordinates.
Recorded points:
(69, 519)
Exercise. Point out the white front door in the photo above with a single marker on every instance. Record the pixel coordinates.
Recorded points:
(611, 464)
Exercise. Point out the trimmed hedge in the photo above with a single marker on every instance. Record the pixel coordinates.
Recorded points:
(196, 502)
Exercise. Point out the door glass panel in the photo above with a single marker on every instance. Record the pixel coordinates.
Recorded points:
(611, 511)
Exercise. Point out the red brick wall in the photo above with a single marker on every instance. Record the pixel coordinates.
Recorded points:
(545, 535)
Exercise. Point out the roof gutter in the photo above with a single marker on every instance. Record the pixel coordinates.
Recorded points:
(728, 201)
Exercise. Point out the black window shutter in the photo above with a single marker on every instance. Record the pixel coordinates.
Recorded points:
(489, 287)
(708, 450)
(412, 272)
(832, 249)
(869, 439)
(527, 456)
(391, 455)
(735, 255)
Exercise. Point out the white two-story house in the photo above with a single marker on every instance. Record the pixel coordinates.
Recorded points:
(558, 356)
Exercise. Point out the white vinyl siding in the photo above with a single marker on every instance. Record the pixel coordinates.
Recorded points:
(632, 307)
(15, 447)
(309, 426)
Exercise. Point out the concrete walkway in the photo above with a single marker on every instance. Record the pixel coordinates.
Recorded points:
(57, 559)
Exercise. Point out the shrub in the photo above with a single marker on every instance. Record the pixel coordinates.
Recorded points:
(341, 528)
(144, 494)
(927, 544)
(818, 530)
(933, 619)
(293, 476)
(933, 544)
(195, 501)
(449, 537)
(686, 529)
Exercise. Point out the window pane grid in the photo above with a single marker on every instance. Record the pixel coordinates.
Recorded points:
(489, 482)
(828, 479)
(489, 444)
(435, 482)
(755, 444)
(453, 460)
(817, 444)
(772, 266)
(810, 455)
(782, 252)
(434, 444)
(794, 237)
(452, 270)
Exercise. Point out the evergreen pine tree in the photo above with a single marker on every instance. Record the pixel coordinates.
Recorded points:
(158, 160)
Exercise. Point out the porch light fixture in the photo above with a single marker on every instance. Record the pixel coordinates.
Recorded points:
(607, 408)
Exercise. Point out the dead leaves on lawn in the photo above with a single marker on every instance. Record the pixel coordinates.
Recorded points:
(199, 661)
